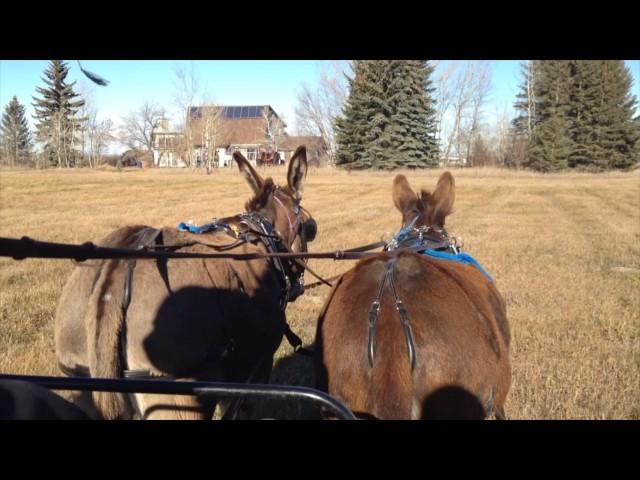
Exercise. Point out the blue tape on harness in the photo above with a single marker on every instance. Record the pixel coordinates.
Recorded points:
(188, 227)
(459, 257)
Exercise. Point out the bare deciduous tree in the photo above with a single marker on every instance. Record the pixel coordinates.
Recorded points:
(100, 134)
(480, 87)
(317, 109)
(211, 122)
(138, 126)
(444, 95)
(187, 87)
(275, 129)
(468, 92)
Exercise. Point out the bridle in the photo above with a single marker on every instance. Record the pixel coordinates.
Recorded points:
(305, 229)
(431, 237)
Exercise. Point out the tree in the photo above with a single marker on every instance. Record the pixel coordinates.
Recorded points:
(364, 117)
(16, 137)
(137, 129)
(620, 135)
(389, 119)
(524, 105)
(99, 135)
(469, 90)
(479, 92)
(480, 154)
(550, 143)
(412, 127)
(444, 94)
(187, 87)
(581, 115)
(55, 113)
(317, 109)
(211, 122)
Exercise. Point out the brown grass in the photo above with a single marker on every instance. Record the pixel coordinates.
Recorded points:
(564, 250)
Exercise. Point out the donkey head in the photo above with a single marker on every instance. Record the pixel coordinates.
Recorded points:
(281, 205)
(428, 209)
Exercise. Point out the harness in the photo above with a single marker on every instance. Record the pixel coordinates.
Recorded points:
(248, 227)
(419, 240)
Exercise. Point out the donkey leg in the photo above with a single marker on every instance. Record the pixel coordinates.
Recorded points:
(243, 409)
(84, 401)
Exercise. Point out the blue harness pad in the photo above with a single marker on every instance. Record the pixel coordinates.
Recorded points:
(187, 227)
(460, 257)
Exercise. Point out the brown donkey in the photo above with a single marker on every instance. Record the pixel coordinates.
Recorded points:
(194, 319)
(406, 335)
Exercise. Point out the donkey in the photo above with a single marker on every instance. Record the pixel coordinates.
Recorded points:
(405, 335)
(28, 401)
(189, 319)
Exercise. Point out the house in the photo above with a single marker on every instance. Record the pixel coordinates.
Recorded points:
(316, 148)
(453, 160)
(215, 132)
(251, 130)
(168, 146)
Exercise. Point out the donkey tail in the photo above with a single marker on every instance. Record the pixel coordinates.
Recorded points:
(105, 321)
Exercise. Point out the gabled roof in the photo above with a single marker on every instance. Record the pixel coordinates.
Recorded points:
(312, 142)
(238, 124)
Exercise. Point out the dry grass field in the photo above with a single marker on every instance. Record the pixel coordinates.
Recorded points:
(564, 250)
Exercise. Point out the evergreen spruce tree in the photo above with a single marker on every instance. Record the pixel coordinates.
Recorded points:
(16, 137)
(583, 113)
(550, 143)
(618, 134)
(413, 122)
(353, 125)
(549, 151)
(389, 117)
(56, 113)
(524, 105)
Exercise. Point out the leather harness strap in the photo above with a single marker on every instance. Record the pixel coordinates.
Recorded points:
(374, 313)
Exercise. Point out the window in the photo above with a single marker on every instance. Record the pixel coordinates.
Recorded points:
(251, 154)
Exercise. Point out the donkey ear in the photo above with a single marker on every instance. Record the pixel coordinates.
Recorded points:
(403, 195)
(252, 177)
(297, 171)
(440, 204)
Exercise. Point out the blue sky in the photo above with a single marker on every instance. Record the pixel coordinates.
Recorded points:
(241, 82)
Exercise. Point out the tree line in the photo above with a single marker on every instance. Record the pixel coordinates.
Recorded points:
(375, 114)
(569, 114)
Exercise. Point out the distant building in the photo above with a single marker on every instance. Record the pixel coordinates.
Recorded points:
(453, 160)
(168, 147)
(216, 132)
